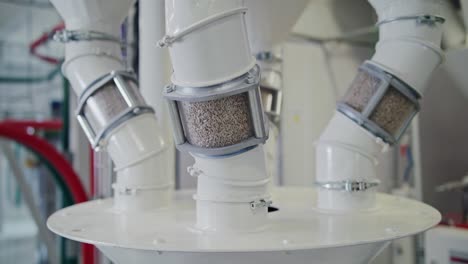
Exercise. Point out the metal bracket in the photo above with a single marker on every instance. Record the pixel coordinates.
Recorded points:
(65, 36)
(424, 19)
(348, 186)
(135, 106)
(262, 203)
(247, 83)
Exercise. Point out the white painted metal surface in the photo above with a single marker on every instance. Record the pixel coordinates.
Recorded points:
(154, 71)
(136, 146)
(269, 21)
(297, 233)
(407, 49)
(227, 186)
(209, 54)
(347, 156)
(410, 51)
(446, 245)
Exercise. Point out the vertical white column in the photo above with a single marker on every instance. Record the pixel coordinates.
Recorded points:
(154, 71)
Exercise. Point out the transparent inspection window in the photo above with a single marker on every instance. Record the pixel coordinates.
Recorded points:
(106, 103)
(217, 123)
(380, 102)
(393, 112)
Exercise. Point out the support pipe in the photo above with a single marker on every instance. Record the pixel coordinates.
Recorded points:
(154, 71)
(380, 103)
(111, 109)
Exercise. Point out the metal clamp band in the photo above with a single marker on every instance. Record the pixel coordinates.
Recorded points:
(167, 40)
(135, 190)
(244, 200)
(348, 186)
(424, 19)
(65, 36)
(135, 106)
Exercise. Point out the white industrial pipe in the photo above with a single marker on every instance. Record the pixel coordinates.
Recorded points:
(232, 192)
(409, 50)
(154, 70)
(208, 45)
(136, 144)
(407, 53)
(205, 55)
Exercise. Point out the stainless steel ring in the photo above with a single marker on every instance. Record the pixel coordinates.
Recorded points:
(348, 186)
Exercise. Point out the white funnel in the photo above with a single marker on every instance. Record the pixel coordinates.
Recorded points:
(101, 15)
(297, 233)
(269, 21)
(357, 254)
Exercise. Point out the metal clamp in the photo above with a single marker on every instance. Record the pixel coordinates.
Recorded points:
(134, 190)
(258, 204)
(348, 186)
(135, 105)
(65, 36)
(424, 19)
(167, 40)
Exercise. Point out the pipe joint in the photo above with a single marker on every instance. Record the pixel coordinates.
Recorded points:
(107, 103)
(380, 103)
(204, 118)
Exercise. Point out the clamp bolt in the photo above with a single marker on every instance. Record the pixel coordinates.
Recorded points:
(255, 205)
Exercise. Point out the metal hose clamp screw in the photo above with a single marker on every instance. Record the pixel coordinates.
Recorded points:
(348, 186)
(262, 203)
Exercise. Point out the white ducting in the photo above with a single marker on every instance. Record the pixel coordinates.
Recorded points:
(345, 157)
(269, 22)
(206, 55)
(209, 47)
(406, 48)
(347, 151)
(136, 145)
(232, 192)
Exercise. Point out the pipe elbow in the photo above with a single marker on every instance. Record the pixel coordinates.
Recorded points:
(410, 34)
